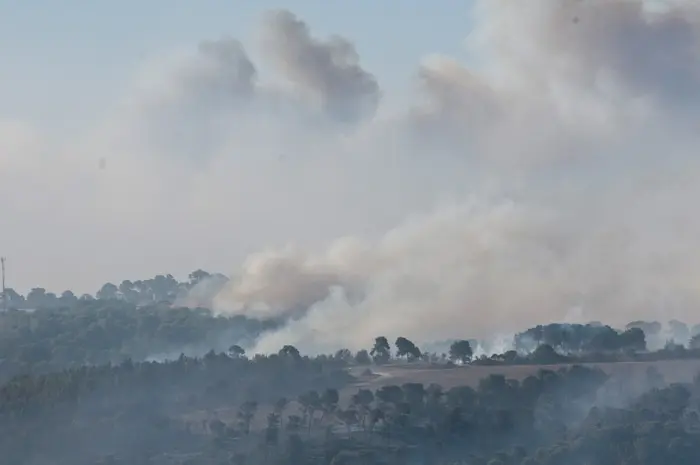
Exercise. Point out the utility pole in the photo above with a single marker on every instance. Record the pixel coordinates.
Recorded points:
(4, 293)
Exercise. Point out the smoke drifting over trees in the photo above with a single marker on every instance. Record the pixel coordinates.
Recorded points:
(550, 177)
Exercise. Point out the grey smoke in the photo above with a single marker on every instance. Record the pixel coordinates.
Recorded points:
(227, 68)
(551, 177)
(581, 115)
(203, 294)
(326, 71)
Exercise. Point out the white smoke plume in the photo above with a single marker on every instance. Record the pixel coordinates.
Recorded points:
(582, 98)
(551, 177)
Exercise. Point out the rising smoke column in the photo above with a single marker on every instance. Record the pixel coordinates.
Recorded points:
(576, 101)
(549, 178)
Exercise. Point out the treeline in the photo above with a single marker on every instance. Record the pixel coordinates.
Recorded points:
(544, 344)
(94, 332)
(578, 338)
(548, 344)
(596, 337)
(159, 289)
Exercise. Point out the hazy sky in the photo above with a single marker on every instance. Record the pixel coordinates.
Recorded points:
(493, 164)
(51, 50)
(65, 67)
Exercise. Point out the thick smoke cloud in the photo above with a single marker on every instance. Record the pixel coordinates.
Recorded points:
(327, 72)
(576, 102)
(550, 178)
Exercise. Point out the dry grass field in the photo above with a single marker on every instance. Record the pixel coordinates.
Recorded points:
(672, 370)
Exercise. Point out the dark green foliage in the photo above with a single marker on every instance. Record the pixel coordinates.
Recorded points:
(576, 338)
(159, 289)
(546, 355)
(381, 352)
(461, 351)
(290, 352)
(406, 348)
(79, 415)
(97, 332)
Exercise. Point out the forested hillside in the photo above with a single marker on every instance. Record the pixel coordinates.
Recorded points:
(137, 377)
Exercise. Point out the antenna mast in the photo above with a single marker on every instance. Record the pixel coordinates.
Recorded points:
(4, 294)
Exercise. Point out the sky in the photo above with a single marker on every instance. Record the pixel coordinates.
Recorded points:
(493, 163)
(95, 47)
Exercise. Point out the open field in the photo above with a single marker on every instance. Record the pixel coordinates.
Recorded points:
(672, 370)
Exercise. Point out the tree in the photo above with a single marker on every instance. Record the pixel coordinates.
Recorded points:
(236, 351)
(280, 406)
(310, 403)
(164, 288)
(381, 352)
(414, 394)
(406, 348)
(349, 417)
(461, 351)
(463, 397)
(197, 276)
(546, 354)
(329, 401)
(129, 291)
(375, 416)
(296, 449)
(246, 413)
(14, 299)
(272, 429)
(290, 351)
(362, 358)
(51, 300)
(68, 299)
(144, 290)
(343, 355)
(510, 356)
(363, 402)
(390, 394)
(36, 297)
(108, 292)
(294, 423)
(633, 339)
(605, 340)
